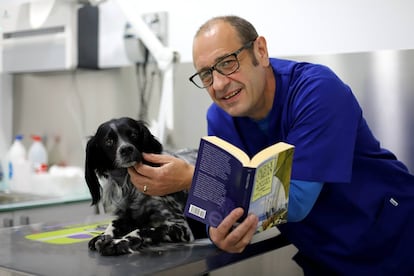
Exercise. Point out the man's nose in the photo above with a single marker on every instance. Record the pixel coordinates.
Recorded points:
(219, 80)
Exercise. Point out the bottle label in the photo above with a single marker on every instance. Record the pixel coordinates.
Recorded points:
(10, 176)
(42, 168)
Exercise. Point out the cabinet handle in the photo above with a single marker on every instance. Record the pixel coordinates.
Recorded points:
(24, 220)
(8, 222)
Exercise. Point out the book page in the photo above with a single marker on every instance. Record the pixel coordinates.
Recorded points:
(264, 177)
(269, 200)
(268, 152)
(235, 151)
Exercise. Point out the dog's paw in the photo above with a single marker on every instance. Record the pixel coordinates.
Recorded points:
(135, 243)
(114, 247)
(92, 242)
(95, 243)
(109, 246)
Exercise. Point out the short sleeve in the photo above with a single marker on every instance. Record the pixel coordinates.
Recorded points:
(323, 127)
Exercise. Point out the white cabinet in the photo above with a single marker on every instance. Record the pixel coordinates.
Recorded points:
(67, 212)
(57, 212)
(6, 219)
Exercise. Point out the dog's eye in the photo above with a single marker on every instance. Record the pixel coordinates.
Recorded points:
(109, 142)
(133, 135)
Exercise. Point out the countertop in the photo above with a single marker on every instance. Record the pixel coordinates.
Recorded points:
(59, 249)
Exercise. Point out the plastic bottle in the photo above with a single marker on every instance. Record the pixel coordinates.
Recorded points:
(15, 157)
(37, 155)
(3, 185)
(55, 155)
(3, 154)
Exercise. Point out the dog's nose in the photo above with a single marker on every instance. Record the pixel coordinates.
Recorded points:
(126, 151)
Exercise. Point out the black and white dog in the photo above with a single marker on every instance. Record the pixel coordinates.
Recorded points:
(141, 220)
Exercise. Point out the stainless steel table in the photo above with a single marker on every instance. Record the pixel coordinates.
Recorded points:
(53, 249)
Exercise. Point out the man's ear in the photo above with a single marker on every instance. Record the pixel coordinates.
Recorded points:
(260, 50)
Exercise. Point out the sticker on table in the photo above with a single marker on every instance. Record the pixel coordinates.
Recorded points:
(69, 234)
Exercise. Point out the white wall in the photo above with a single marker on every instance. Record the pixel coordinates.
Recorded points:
(292, 28)
(299, 27)
(295, 27)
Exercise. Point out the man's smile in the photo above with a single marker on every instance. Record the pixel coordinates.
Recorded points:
(232, 94)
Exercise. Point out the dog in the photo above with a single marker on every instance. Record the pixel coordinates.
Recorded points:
(141, 221)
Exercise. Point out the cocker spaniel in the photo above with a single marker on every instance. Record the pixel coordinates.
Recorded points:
(141, 221)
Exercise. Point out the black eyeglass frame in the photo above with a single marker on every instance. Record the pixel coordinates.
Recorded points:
(212, 68)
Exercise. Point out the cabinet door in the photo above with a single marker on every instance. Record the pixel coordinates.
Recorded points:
(70, 212)
(6, 219)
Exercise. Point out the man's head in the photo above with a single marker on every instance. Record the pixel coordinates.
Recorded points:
(232, 63)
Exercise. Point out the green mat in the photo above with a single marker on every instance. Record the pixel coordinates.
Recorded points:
(69, 234)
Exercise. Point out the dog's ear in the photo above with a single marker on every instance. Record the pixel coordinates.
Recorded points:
(149, 142)
(152, 144)
(93, 155)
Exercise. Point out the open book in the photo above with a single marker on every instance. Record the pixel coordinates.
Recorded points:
(226, 178)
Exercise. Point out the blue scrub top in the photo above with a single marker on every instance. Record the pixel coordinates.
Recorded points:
(363, 219)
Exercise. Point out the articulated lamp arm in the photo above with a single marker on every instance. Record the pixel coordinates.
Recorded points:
(164, 56)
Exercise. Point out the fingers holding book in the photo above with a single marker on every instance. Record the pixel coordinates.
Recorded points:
(234, 239)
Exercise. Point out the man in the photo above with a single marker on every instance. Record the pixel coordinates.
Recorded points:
(351, 203)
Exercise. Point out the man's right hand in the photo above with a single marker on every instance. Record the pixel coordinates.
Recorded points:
(234, 240)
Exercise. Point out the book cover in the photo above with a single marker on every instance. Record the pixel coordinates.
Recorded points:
(226, 178)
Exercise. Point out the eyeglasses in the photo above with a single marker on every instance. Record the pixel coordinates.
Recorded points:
(227, 65)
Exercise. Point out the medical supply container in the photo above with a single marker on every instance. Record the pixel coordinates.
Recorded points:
(15, 157)
(37, 155)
